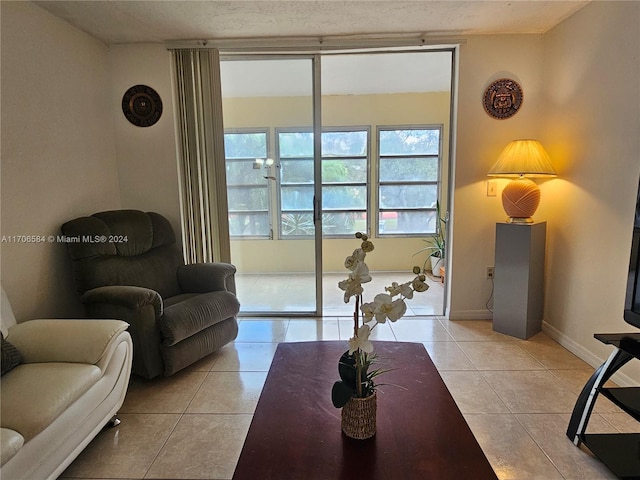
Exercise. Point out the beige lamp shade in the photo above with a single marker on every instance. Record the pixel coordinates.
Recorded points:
(522, 158)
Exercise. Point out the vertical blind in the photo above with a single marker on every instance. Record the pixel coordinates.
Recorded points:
(201, 162)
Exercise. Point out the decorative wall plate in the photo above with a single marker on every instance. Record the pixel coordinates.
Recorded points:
(142, 105)
(503, 98)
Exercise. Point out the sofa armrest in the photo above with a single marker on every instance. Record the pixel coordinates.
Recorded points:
(62, 340)
(207, 277)
(125, 296)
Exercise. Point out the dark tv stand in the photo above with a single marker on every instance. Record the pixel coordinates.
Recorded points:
(620, 452)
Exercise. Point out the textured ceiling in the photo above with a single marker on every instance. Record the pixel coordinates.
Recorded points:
(118, 22)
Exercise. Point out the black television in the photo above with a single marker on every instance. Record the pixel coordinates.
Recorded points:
(632, 299)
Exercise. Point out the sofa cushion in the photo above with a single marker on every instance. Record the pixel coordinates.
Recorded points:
(197, 312)
(11, 442)
(11, 357)
(34, 395)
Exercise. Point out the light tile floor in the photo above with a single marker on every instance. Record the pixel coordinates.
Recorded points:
(516, 396)
(296, 291)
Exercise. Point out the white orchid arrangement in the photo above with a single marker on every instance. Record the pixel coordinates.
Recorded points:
(353, 367)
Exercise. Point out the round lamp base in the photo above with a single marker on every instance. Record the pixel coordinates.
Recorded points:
(520, 200)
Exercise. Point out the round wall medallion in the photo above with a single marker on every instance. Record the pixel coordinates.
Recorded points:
(503, 98)
(142, 105)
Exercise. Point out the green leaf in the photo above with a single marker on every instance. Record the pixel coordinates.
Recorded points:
(347, 369)
(341, 393)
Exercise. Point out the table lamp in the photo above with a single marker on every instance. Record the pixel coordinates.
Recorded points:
(522, 159)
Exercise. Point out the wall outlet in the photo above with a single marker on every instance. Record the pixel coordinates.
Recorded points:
(490, 272)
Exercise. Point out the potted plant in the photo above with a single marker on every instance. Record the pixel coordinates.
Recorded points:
(355, 392)
(436, 246)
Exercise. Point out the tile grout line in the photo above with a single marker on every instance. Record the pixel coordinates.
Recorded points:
(155, 458)
(544, 452)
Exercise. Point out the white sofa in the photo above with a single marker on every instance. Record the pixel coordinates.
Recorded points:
(71, 382)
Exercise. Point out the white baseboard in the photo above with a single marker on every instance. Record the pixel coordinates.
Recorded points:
(588, 356)
(470, 315)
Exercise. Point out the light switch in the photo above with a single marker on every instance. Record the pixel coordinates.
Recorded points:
(492, 188)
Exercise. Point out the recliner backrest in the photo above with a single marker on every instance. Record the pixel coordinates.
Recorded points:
(124, 247)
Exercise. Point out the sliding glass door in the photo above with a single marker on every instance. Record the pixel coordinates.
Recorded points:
(270, 111)
(306, 170)
(385, 167)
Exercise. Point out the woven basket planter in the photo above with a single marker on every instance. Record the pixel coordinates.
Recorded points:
(359, 417)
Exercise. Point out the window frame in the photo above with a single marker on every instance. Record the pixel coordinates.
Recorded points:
(366, 183)
(266, 132)
(379, 183)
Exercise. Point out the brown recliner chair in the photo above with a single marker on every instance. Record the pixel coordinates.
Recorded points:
(127, 266)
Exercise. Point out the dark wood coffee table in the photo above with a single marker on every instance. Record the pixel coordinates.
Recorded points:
(295, 432)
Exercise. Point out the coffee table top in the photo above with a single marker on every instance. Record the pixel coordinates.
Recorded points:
(296, 434)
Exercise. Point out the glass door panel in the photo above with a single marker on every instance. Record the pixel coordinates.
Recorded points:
(385, 167)
(268, 108)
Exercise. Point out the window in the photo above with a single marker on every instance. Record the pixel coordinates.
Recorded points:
(344, 182)
(408, 180)
(247, 187)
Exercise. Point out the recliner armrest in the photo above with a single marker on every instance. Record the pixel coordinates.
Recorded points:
(65, 340)
(140, 308)
(125, 296)
(207, 277)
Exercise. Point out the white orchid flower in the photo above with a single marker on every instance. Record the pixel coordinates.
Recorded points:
(351, 287)
(393, 289)
(352, 261)
(361, 341)
(368, 310)
(403, 289)
(361, 272)
(353, 284)
(387, 308)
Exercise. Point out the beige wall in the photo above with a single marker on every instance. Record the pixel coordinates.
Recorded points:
(147, 167)
(58, 151)
(480, 139)
(432, 108)
(591, 127)
(582, 100)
